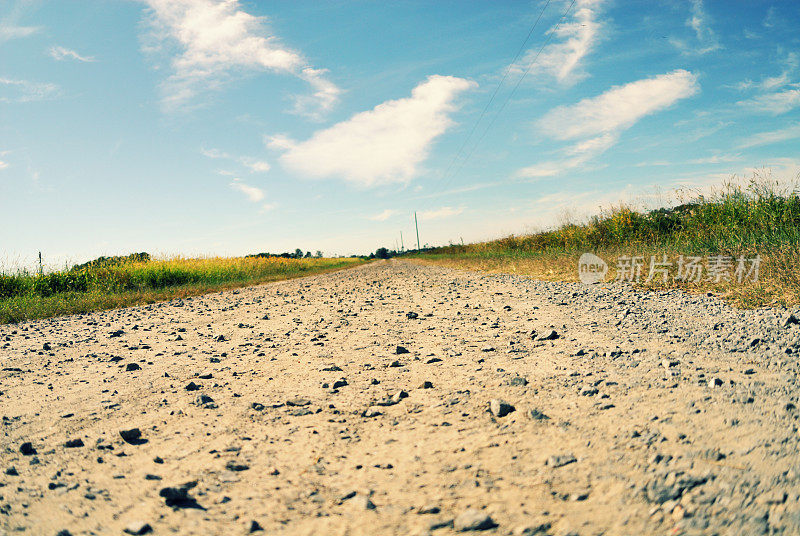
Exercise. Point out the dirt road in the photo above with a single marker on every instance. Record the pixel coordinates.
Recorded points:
(403, 399)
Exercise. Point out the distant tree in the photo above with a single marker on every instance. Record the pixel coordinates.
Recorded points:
(298, 253)
(318, 254)
(308, 254)
(382, 253)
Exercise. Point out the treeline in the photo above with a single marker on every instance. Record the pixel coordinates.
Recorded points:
(298, 254)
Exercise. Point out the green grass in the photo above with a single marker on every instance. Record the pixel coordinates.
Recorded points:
(759, 218)
(106, 285)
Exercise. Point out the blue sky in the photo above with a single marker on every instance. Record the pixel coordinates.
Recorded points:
(201, 127)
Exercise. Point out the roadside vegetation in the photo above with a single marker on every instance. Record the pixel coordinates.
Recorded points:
(724, 231)
(110, 282)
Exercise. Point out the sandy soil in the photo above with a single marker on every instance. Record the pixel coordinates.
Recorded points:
(294, 408)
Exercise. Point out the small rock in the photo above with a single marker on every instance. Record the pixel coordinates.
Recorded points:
(12, 471)
(412, 315)
(429, 509)
(132, 436)
(191, 386)
(205, 401)
(137, 528)
(500, 408)
(255, 527)
(298, 402)
(362, 502)
(549, 335)
(560, 460)
(789, 320)
(395, 364)
(518, 381)
(46, 347)
(132, 366)
(401, 350)
(473, 520)
(74, 443)
(537, 415)
(371, 412)
(26, 449)
(339, 383)
(237, 467)
(426, 385)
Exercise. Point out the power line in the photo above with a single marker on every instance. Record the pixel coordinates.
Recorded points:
(494, 93)
(513, 90)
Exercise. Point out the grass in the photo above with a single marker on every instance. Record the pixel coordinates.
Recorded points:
(760, 218)
(137, 280)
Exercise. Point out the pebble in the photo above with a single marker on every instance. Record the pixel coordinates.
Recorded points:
(132, 436)
(560, 460)
(550, 335)
(401, 350)
(473, 520)
(26, 449)
(74, 443)
(137, 528)
(132, 366)
(500, 408)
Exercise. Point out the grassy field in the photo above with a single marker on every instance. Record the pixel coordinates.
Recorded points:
(123, 282)
(736, 223)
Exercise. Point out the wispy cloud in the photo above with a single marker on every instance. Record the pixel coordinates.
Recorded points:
(774, 103)
(705, 39)
(577, 37)
(383, 216)
(443, 212)
(619, 107)
(379, 146)
(3, 165)
(597, 122)
(26, 91)
(10, 31)
(217, 40)
(253, 194)
(61, 54)
(253, 164)
(773, 136)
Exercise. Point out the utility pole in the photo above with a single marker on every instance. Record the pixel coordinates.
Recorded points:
(41, 271)
(402, 248)
(417, 227)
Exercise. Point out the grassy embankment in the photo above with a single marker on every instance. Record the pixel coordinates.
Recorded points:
(761, 218)
(101, 285)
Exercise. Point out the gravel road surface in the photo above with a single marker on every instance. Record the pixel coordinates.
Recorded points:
(396, 398)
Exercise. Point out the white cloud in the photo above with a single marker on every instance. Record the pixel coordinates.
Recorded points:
(26, 91)
(379, 146)
(774, 136)
(774, 103)
(257, 166)
(253, 164)
(217, 39)
(563, 59)
(577, 155)
(3, 165)
(253, 194)
(61, 53)
(444, 212)
(619, 107)
(596, 122)
(10, 31)
(706, 38)
(383, 216)
(717, 159)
